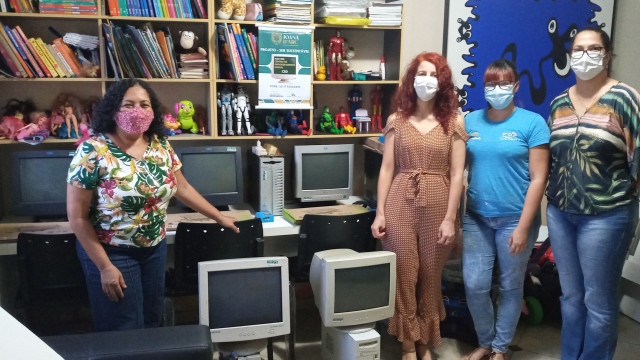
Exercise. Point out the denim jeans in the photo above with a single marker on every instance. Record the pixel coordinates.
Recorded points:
(143, 270)
(484, 239)
(589, 251)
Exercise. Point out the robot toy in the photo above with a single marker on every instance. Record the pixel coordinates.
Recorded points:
(354, 97)
(297, 124)
(327, 124)
(226, 102)
(343, 121)
(336, 54)
(242, 108)
(376, 104)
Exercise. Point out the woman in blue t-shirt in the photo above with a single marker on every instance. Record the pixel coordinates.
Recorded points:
(508, 159)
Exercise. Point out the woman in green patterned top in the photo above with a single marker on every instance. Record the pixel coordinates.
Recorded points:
(119, 185)
(593, 207)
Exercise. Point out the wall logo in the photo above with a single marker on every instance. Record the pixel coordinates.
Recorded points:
(276, 37)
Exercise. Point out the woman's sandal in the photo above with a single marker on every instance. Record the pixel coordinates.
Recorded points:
(497, 355)
(487, 352)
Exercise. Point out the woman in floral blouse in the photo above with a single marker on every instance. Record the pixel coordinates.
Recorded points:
(119, 185)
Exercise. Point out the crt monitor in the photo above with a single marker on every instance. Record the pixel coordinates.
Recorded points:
(39, 185)
(323, 172)
(214, 171)
(244, 299)
(352, 288)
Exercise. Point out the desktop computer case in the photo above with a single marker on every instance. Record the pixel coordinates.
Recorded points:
(267, 185)
(350, 343)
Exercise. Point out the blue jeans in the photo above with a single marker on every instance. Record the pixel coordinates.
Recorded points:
(143, 270)
(589, 251)
(484, 239)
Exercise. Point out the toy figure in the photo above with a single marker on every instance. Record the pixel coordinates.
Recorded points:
(237, 8)
(376, 111)
(184, 110)
(274, 124)
(327, 124)
(171, 125)
(11, 126)
(343, 121)
(37, 130)
(226, 102)
(188, 41)
(242, 108)
(56, 122)
(355, 97)
(70, 118)
(296, 124)
(336, 54)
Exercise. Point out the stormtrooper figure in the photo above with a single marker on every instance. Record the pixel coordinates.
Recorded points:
(226, 102)
(242, 108)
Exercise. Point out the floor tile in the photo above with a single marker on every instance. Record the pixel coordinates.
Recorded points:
(543, 339)
(628, 330)
(530, 355)
(628, 351)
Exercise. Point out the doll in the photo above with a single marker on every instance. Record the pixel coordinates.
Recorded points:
(336, 54)
(297, 124)
(171, 125)
(38, 127)
(376, 105)
(68, 107)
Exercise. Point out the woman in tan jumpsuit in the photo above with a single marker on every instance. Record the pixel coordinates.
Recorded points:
(418, 195)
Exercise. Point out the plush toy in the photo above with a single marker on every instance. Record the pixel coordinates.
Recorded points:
(227, 8)
(10, 126)
(189, 41)
(171, 125)
(184, 110)
(254, 11)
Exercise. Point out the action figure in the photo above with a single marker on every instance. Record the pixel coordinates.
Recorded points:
(327, 124)
(297, 124)
(343, 121)
(355, 97)
(68, 111)
(242, 108)
(226, 102)
(274, 124)
(336, 54)
(376, 111)
(184, 110)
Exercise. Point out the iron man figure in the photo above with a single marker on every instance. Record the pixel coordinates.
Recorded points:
(336, 54)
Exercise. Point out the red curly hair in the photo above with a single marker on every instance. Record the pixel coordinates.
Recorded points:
(446, 101)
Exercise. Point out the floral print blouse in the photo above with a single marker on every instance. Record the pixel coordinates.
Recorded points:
(130, 196)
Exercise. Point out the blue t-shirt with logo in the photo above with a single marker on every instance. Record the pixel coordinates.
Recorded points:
(498, 158)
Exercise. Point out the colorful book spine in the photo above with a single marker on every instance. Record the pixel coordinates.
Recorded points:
(18, 58)
(247, 43)
(34, 52)
(187, 6)
(69, 56)
(172, 9)
(202, 9)
(8, 59)
(234, 51)
(63, 7)
(47, 54)
(122, 6)
(43, 58)
(178, 5)
(25, 50)
(144, 8)
(60, 60)
(242, 50)
(157, 9)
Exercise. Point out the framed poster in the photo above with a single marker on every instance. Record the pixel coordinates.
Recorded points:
(534, 34)
(284, 72)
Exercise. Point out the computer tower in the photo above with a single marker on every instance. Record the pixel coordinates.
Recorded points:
(350, 343)
(267, 183)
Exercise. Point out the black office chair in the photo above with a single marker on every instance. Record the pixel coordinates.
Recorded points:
(325, 232)
(195, 242)
(52, 291)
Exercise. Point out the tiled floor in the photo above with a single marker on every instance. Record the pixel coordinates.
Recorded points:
(532, 342)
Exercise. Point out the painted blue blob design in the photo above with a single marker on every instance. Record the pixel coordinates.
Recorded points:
(534, 34)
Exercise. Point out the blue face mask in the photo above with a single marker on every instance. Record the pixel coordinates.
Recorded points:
(498, 97)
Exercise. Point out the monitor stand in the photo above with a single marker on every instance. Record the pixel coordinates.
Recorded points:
(350, 342)
(243, 348)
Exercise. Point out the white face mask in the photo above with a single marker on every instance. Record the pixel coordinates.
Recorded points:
(498, 97)
(426, 87)
(587, 66)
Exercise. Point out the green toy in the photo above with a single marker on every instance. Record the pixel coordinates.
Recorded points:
(327, 124)
(184, 111)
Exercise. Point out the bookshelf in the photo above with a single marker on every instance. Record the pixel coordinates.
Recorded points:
(370, 43)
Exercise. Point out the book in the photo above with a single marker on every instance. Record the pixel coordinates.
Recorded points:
(172, 9)
(25, 50)
(295, 216)
(165, 8)
(170, 47)
(123, 9)
(114, 8)
(34, 52)
(242, 50)
(249, 50)
(162, 41)
(9, 61)
(150, 36)
(202, 10)
(236, 53)
(68, 56)
(119, 67)
(39, 44)
(145, 54)
(26, 72)
(63, 7)
(57, 56)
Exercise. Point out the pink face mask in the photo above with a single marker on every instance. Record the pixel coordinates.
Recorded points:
(134, 121)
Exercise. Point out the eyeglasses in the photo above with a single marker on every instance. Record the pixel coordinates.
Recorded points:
(593, 52)
(504, 85)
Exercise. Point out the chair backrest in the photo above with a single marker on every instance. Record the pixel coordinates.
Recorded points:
(195, 242)
(324, 232)
(49, 269)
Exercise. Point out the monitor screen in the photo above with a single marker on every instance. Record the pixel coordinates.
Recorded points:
(214, 171)
(352, 288)
(323, 172)
(244, 299)
(39, 182)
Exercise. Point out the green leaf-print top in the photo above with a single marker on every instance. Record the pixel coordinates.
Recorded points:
(130, 196)
(594, 157)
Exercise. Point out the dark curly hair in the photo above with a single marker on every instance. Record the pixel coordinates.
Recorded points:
(103, 120)
(446, 101)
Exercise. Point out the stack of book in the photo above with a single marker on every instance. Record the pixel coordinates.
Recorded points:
(193, 66)
(186, 9)
(18, 6)
(341, 8)
(237, 52)
(77, 7)
(385, 13)
(32, 58)
(288, 11)
(139, 53)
